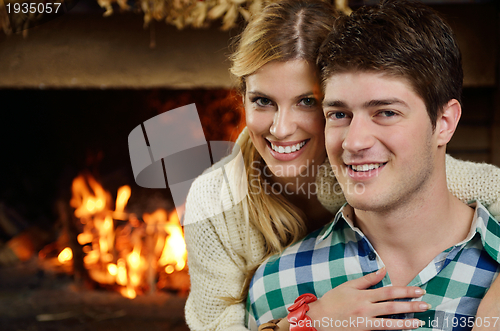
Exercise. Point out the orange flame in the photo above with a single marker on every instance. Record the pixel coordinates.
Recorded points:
(174, 251)
(119, 248)
(65, 256)
(88, 196)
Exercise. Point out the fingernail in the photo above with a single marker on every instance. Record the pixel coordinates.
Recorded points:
(418, 323)
(425, 306)
(420, 291)
(380, 270)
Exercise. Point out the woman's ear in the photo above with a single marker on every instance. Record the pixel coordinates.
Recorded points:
(447, 121)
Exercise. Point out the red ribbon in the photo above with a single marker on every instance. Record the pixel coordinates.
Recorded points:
(297, 317)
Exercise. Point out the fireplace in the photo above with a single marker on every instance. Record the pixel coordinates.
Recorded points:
(84, 244)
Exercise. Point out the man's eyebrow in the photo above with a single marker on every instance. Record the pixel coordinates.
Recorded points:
(384, 102)
(368, 104)
(334, 103)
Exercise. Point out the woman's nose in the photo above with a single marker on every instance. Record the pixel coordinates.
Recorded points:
(284, 124)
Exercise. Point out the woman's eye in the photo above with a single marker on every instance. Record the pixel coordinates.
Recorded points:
(262, 102)
(308, 102)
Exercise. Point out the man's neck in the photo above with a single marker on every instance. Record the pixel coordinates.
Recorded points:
(409, 236)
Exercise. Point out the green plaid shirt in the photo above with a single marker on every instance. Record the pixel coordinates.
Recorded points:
(455, 281)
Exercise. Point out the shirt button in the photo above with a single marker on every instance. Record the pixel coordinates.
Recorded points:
(372, 256)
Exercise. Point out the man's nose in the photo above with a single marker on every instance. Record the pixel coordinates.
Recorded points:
(359, 135)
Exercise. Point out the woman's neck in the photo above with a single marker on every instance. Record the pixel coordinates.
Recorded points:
(316, 215)
(301, 191)
(306, 200)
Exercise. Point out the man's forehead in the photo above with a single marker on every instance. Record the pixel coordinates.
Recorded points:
(338, 84)
(389, 74)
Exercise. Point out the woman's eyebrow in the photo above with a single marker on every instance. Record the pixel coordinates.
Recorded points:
(259, 94)
(306, 95)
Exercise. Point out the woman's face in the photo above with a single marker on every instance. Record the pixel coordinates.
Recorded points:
(284, 117)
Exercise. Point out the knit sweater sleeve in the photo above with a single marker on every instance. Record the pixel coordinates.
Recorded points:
(328, 189)
(216, 271)
(475, 181)
(221, 249)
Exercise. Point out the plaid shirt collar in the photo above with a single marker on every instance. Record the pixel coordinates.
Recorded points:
(487, 227)
(343, 215)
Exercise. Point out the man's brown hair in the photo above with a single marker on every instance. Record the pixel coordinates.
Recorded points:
(402, 38)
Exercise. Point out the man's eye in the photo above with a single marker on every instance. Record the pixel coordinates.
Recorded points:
(308, 102)
(262, 102)
(338, 115)
(387, 113)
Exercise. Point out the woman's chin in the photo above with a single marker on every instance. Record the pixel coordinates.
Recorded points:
(288, 171)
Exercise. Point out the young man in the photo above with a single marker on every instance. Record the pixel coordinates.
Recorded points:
(392, 82)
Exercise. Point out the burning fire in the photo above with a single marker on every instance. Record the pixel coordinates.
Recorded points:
(65, 255)
(119, 249)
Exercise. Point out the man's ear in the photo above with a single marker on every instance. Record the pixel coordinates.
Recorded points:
(447, 121)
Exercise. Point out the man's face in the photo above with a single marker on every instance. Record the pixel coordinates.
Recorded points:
(379, 139)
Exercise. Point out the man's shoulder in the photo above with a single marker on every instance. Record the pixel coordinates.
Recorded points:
(297, 252)
(489, 229)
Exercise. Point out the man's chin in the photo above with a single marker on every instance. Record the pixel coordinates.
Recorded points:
(364, 203)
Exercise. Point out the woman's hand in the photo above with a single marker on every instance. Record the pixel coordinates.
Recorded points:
(352, 306)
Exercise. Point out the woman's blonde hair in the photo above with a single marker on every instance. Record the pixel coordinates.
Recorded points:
(285, 30)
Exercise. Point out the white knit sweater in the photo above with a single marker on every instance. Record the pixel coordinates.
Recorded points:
(220, 249)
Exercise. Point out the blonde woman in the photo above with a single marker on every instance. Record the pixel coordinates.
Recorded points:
(238, 216)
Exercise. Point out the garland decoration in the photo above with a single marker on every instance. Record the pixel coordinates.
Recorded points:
(180, 13)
